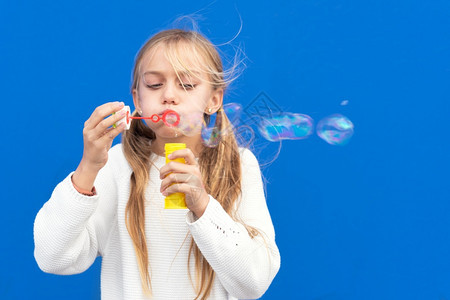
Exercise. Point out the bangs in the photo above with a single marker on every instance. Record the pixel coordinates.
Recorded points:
(186, 60)
(191, 60)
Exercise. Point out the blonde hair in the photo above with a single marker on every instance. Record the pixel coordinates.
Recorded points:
(220, 165)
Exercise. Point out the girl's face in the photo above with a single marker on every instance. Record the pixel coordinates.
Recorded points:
(160, 89)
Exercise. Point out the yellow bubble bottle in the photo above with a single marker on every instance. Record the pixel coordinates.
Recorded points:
(175, 200)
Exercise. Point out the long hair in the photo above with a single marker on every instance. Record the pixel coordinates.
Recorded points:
(220, 165)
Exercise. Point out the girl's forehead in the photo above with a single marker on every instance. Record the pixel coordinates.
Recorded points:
(176, 58)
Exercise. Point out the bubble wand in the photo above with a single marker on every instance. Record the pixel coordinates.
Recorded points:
(170, 117)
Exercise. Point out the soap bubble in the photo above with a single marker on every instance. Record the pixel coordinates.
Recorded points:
(210, 136)
(210, 132)
(335, 129)
(286, 126)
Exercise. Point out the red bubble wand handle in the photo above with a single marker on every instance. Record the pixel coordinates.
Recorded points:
(168, 115)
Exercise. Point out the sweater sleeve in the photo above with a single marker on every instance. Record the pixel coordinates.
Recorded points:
(244, 265)
(71, 229)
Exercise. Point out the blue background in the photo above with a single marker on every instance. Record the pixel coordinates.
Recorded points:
(369, 220)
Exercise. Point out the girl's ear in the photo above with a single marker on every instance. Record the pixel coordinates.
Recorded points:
(136, 103)
(215, 102)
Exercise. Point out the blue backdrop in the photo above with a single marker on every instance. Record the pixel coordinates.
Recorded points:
(369, 220)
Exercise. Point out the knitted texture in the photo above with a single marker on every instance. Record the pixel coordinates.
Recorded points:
(72, 229)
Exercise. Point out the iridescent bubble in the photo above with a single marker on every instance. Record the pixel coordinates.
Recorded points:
(210, 133)
(286, 126)
(210, 137)
(344, 102)
(335, 129)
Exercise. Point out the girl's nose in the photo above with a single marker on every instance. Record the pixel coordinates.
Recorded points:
(169, 100)
(169, 95)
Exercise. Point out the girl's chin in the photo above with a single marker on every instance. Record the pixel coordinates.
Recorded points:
(169, 137)
(167, 133)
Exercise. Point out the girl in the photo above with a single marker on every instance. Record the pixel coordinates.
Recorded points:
(221, 247)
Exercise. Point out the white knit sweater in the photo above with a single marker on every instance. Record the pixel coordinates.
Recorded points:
(71, 230)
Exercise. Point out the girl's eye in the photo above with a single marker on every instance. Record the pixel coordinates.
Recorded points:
(188, 86)
(154, 86)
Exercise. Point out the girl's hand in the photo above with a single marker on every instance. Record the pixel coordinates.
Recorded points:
(98, 136)
(187, 179)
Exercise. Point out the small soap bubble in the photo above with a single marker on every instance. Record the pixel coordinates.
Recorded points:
(286, 126)
(210, 133)
(210, 137)
(344, 102)
(335, 129)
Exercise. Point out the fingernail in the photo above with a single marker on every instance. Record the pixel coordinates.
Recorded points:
(170, 156)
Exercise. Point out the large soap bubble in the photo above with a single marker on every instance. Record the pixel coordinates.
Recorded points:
(335, 129)
(286, 126)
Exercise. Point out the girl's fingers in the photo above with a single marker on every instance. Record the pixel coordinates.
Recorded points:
(184, 188)
(183, 178)
(178, 178)
(177, 188)
(177, 167)
(196, 197)
(105, 124)
(111, 133)
(187, 154)
(101, 112)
